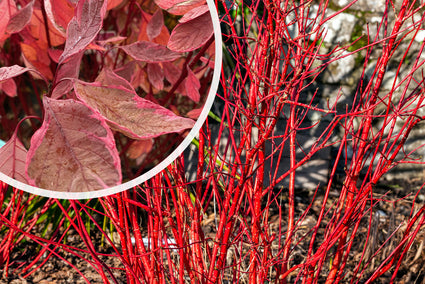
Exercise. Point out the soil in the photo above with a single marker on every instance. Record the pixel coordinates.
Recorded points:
(388, 215)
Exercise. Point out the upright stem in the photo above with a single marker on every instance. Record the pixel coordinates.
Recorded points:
(351, 179)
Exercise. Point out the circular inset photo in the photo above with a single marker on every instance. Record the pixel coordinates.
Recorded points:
(99, 96)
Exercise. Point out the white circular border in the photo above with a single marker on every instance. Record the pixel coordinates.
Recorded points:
(168, 160)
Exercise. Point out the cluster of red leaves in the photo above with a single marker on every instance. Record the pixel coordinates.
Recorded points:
(143, 73)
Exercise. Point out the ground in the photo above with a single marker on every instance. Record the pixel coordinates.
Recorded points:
(388, 216)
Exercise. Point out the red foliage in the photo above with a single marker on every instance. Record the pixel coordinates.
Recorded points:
(83, 65)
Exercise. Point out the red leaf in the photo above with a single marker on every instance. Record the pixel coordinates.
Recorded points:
(12, 156)
(12, 71)
(20, 19)
(55, 54)
(192, 34)
(127, 71)
(37, 30)
(9, 87)
(36, 57)
(156, 75)
(171, 72)
(113, 3)
(7, 9)
(74, 150)
(179, 7)
(194, 113)
(108, 78)
(194, 13)
(192, 86)
(84, 26)
(36, 44)
(113, 39)
(139, 148)
(128, 113)
(163, 36)
(59, 12)
(150, 52)
(65, 73)
(155, 25)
